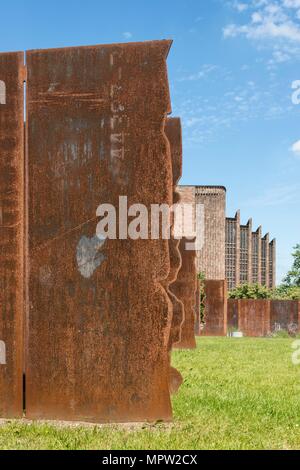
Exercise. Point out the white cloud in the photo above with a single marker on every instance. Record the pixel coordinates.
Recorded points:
(206, 69)
(265, 30)
(279, 57)
(192, 121)
(241, 6)
(296, 148)
(272, 24)
(206, 115)
(291, 3)
(273, 20)
(256, 17)
(127, 35)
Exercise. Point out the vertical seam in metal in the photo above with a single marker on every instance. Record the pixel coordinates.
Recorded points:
(25, 242)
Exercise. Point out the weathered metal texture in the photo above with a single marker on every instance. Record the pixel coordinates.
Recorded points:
(233, 314)
(99, 318)
(185, 289)
(254, 317)
(174, 135)
(215, 308)
(285, 315)
(197, 309)
(11, 233)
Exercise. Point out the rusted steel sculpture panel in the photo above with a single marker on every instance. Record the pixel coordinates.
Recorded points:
(285, 315)
(185, 289)
(254, 317)
(174, 135)
(215, 308)
(233, 314)
(99, 316)
(198, 309)
(11, 233)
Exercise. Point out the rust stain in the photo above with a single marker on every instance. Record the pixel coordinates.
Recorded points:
(11, 233)
(98, 337)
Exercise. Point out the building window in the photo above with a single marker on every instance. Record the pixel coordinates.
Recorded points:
(271, 261)
(230, 258)
(263, 262)
(255, 241)
(244, 255)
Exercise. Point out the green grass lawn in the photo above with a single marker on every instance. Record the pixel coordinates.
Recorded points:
(237, 394)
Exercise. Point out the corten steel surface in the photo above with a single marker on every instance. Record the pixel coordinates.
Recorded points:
(285, 314)
(185, 289)
(99, 318)
(254, 317)
(174, 135)
(233, 314)
(11, 233)
(215, 308)
(197, 309)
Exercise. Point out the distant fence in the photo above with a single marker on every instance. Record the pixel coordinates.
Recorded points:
(253, 317)
(285, 315)
(261, 317)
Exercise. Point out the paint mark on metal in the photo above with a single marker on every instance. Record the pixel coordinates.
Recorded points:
(102, 151)
(2, 353)
(45, 276)
(88, 255)
(52, 87)
(2, 92)
(117, 135)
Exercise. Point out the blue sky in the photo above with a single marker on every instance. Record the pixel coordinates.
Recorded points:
(231, 68)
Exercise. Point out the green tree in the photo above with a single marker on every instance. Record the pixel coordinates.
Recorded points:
(293, 276)
(285, 292)
(250, 291)
(255, 291)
